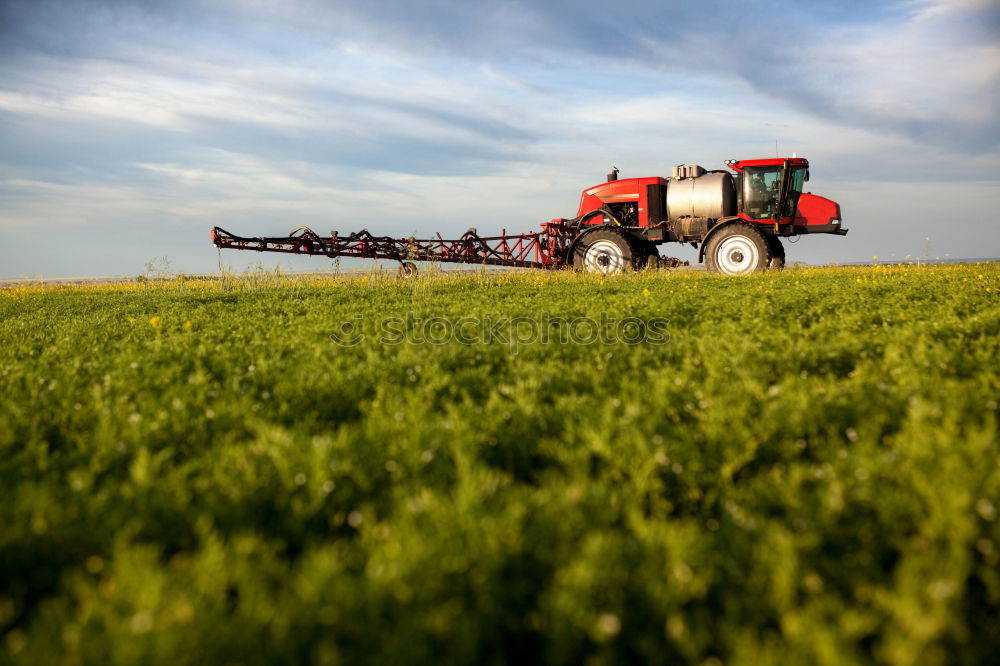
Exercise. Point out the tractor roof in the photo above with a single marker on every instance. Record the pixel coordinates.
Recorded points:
(739, 165)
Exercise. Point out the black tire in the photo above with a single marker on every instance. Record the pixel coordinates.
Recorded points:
(651, 261)
(777, 253)
(407, 269)
(607, 250)
(737, 249)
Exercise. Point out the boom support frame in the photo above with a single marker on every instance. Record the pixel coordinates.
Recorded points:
(548, 248)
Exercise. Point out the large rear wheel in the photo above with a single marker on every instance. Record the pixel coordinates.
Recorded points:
(606, 251)
(737, 249)
(651, 260)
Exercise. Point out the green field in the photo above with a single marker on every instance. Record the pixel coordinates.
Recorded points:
(790, 468)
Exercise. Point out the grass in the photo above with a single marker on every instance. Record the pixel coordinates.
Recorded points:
(804, 470)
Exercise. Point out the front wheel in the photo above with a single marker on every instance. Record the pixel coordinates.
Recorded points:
(737, 250)
(777, 253)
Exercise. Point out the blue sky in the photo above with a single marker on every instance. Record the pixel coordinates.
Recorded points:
(129, 129)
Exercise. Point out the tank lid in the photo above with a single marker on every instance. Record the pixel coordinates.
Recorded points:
(688, 171)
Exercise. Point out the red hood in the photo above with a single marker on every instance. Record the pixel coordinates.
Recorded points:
(814, 209)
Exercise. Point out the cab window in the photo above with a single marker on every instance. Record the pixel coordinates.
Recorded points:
(760, 190)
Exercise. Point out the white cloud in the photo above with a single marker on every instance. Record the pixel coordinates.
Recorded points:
(928, 69)
(340, 127)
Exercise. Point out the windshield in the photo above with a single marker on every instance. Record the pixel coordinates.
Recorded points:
(794, 190)
(760, 190)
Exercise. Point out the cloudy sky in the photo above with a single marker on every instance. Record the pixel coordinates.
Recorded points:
(129, 129)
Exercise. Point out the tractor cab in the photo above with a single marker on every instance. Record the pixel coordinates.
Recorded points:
(770, 192)
(769, 189)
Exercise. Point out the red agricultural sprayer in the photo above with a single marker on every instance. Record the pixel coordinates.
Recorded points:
(736, 220)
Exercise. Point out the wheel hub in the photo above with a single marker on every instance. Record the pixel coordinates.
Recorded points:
(604, 256)
(737, 255)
